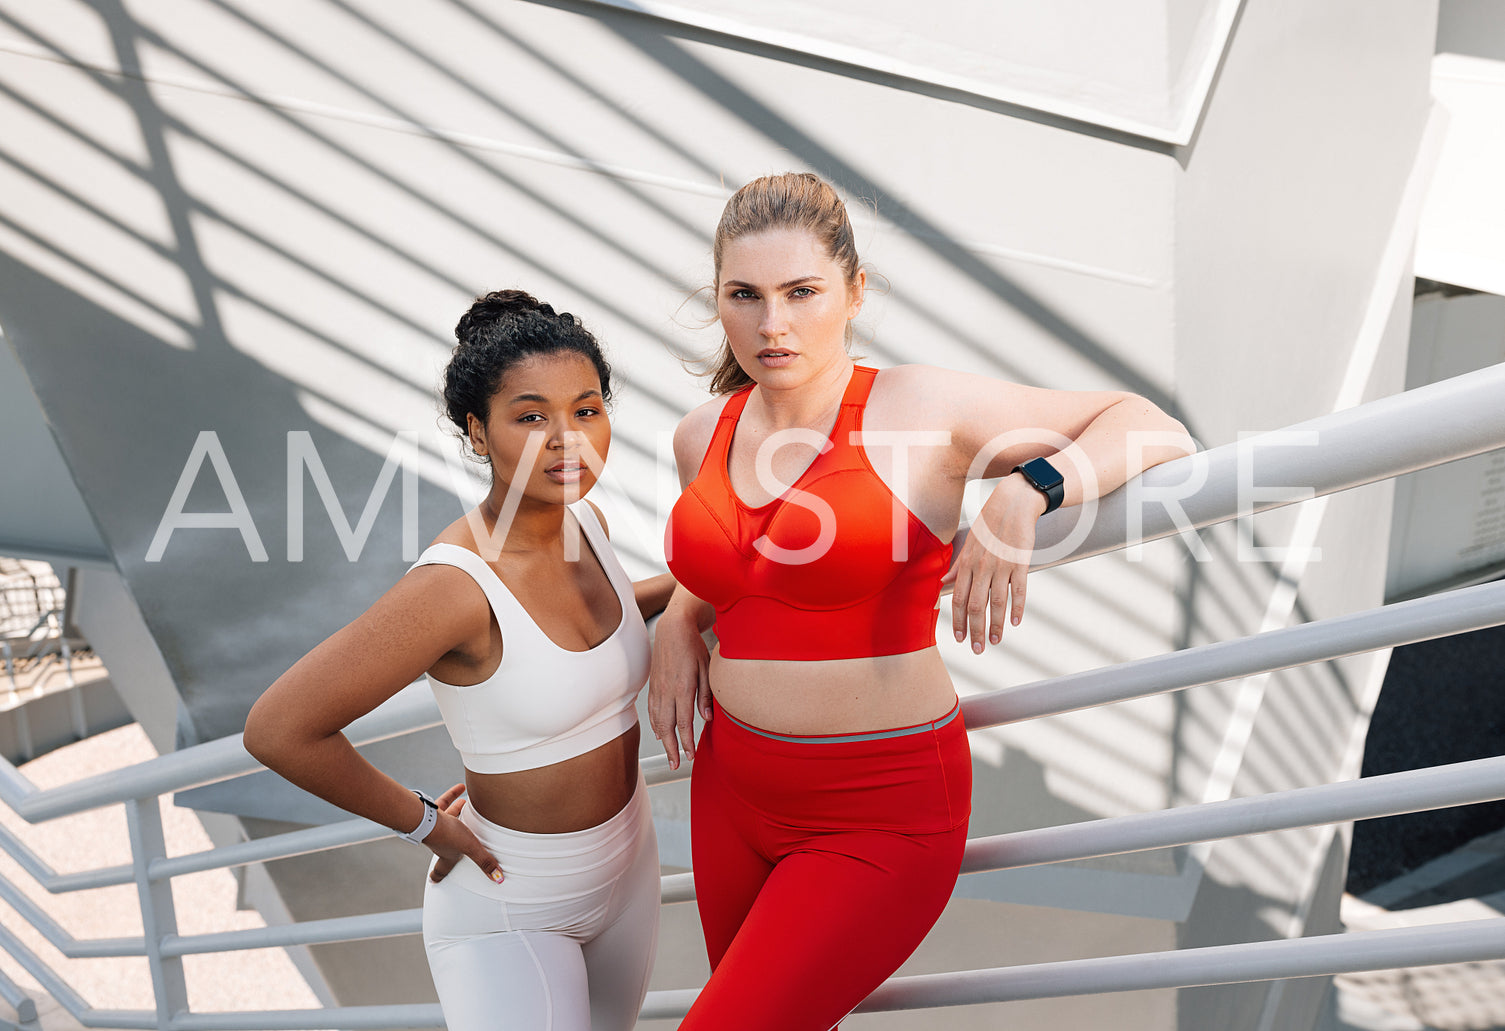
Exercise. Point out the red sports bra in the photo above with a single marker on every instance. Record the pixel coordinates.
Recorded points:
(813, 573)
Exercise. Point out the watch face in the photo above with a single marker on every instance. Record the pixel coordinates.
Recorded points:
(1042, 473)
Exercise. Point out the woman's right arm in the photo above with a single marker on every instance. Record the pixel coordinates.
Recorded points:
(679, 683)
(296, 727)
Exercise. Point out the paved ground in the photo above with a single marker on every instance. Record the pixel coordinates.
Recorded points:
(1467, 884)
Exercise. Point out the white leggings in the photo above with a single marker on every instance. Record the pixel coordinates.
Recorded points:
(564, 943)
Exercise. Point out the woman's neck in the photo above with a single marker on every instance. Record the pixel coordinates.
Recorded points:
(810, 404)
(532, 526)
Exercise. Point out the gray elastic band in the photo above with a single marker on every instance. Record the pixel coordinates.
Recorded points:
(839, 739)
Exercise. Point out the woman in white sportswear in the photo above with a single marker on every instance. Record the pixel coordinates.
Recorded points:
(541, 911)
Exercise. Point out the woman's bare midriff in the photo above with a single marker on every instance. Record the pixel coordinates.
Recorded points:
(572, 795)
(834, 696)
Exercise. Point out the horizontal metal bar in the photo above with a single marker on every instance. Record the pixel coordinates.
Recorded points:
(83, 880)
(1440, 615)
(668, 1004)
(1422, 619)
(334, 1018)
(51, 983)
(1440, 787)
(130, 1020)
(98, 948)
(28, 860)
(411, 710)
(416, 1015)
(57, 883)
(277, 846)
(1471, 941)
(14, 788)
(677, 887)
(656, 770)
(1411, 791)
(308, 932)
(1430, 425)
(1466, 942)
(1388, 795)
(58, 936)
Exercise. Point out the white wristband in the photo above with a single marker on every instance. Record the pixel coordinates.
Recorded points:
(426, 825)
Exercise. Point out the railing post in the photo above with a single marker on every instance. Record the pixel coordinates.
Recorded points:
(158, 918)
(23, 733)
(26, 1009)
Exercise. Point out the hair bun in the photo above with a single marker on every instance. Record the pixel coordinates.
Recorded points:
(501, 329)
(514, 301)
(500, 304)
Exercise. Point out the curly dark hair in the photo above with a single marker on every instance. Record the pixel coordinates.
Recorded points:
(501, 329)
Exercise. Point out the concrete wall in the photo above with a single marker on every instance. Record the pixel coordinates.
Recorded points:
(1293, 243)
(1474, 27)
(41, 514)
(261, 220)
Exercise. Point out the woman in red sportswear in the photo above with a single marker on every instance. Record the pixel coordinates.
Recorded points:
(832, 779)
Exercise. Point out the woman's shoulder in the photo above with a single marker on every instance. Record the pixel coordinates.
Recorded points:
(921, 377)
(702, 418)
(932, 390)
(916, 393)
(450, 566)
(693, 433)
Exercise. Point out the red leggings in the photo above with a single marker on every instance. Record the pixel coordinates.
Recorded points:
(820, 864)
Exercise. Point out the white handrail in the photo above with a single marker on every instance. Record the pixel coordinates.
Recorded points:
(335, 1018)
(1470, 941)
(69, 999)
(305, 932)
(1381, 439)
(47, 877)
(1388, 626)
(277, 846)
(193, 767)
(1411, 791)
(1462, 942)
(59, 938)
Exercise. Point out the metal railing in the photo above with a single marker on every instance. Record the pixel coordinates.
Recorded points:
(1432, 425)
(32, 604)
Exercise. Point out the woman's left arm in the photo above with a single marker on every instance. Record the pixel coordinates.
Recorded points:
(1096, 440)
(653, 593)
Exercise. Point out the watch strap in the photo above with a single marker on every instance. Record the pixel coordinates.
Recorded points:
(1046, 479)
(426, 825)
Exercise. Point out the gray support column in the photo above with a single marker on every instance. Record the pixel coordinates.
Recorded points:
(158, 918)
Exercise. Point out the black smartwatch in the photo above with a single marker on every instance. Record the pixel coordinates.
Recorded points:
(1044, 478)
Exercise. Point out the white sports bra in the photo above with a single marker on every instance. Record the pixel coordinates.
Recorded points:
(544, 703)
